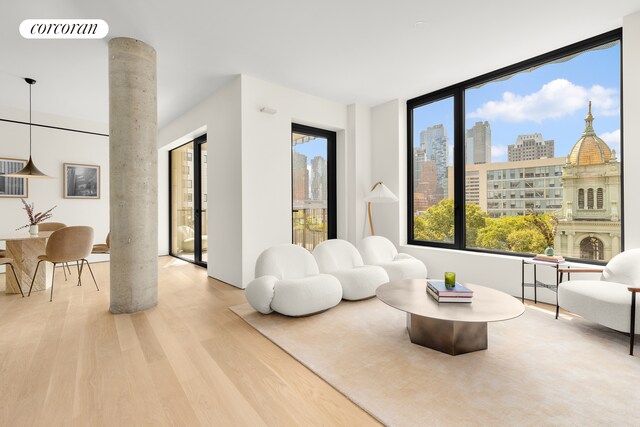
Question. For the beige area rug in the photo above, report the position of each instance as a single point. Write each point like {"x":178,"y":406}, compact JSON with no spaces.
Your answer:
{"x":537,"y":370}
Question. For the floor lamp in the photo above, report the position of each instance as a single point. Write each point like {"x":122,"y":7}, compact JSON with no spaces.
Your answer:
{"x":379,"y":194}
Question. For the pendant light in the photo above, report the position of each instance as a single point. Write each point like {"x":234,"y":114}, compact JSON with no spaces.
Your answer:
{"x":29,"y":170}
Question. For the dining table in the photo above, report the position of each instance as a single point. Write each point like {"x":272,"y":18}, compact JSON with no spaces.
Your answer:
{"x":24,"y":249}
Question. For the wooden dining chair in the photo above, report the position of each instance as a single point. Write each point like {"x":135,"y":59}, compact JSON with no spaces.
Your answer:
{"x":102,"y":248}
{"x":54,"y":226}
{"x":9,"y":262}
{"x":66,"y":245}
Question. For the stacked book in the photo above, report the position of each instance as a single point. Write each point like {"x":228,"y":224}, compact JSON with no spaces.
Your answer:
{"x":442,"y":293}
{"x":555,"y":259}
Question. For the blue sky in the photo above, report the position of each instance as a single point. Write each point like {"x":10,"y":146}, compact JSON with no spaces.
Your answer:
{"x":313,"y":148}
{"x":551,"y":100}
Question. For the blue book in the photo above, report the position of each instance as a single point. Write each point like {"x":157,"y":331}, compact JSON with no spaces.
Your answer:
{"x":440,"y":289}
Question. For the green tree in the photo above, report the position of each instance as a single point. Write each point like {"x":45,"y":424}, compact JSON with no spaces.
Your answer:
{"x":437,"y":223}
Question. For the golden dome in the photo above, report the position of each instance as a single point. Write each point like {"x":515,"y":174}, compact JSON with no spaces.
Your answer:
{"x":590,"y":149}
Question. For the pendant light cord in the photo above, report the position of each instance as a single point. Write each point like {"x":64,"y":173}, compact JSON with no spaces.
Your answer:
{"x":30,"y":120}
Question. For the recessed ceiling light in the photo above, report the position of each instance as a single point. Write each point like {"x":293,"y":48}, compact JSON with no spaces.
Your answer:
{"x":420,"y":24}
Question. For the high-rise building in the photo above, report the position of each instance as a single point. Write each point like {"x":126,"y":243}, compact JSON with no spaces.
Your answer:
{"x":514,"y":188}
{"x":300,"y":179}
{"x":319,"y":178}
{"x":530,"y":147}
{"x":435,"y":143}
{"x":426,"y":190}
{"x":478,"y":144}
{"x":589,"y":222}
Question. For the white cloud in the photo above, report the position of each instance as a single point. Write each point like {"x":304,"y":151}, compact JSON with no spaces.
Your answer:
{"x":612,"y":139}
{"x":499,"y":153}
{"x":554,"y":100}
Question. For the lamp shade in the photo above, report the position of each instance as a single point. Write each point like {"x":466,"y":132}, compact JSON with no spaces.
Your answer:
{"x":380,"y":194}
{"x":28,"y":171}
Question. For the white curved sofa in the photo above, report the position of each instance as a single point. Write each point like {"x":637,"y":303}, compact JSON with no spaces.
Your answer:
{"x":378,"y":250}
{"x":606,"y":301}
{"x":288,"y":281}
{"x":342,"y":260}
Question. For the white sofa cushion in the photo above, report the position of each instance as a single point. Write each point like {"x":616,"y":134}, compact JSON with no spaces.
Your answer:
{"x":606,"y":303}
{"x":259,"y":293}
{"x":288,"y":281}
{"x":624,"y":268}
{"x":306,"y":295}
{"x":360,"y":282}
{"x":378,"y":250}
{"x":286,"y":261}
{"x":342,"y":260}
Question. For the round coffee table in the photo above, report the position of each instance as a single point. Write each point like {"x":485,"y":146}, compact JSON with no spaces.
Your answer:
{"x":452,"y":328}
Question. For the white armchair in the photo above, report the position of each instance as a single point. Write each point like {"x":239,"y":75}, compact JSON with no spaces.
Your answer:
{"x":342,"y":260}
{"x":378,"y":250}
{"x":288,"y":281}
{"x":609,"y":301}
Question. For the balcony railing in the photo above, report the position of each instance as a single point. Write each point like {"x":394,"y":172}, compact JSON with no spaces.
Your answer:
{"x":310,"y":227}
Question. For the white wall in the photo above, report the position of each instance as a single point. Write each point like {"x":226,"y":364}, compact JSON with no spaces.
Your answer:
{"x":498,"y":271}
{"x":266,"y":161}
{"x":249,"y":179}
{"x":51,"y":149}
{"x":219,"y":117}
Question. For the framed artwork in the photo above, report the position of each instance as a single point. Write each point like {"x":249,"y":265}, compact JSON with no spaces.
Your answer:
{"x":13,"y":187}
{"x":81,"y":181}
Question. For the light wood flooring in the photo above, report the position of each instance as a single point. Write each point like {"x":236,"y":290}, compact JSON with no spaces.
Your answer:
{"x":189,"y":361}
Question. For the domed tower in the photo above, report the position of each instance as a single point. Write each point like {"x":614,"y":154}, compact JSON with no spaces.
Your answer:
{"x":589,"y":221}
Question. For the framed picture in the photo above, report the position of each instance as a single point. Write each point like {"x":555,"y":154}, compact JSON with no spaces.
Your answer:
{"x":13,"y":187}
{"x":81,"y":181}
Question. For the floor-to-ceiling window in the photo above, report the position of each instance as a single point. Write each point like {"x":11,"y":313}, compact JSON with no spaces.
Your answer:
{"x":188,"y":201}
{"x":524,"y":158}
{"x":313,"y":166}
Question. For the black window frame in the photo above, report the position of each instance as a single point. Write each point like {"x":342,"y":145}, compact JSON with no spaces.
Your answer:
{"x":457,"y":91}
{"x":197,"y":201}
{"x":332,"y":195}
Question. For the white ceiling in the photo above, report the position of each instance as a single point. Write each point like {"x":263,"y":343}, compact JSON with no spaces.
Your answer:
{"x":364,"y":51}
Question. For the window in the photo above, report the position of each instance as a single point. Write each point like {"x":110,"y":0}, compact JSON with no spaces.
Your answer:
{"x":313,"y":176}
{"x":187,"y":201}
{"x":581,"y":198}
{"x":539,"y":134}
{"x":600,"y":198}
{"x":590,"y":198}
{"x":591,"y":248}
{"x":432,"y":164}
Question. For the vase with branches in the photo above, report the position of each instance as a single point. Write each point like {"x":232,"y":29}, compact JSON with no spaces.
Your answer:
{"x":34,"y":218}
{"x":547,"y":226}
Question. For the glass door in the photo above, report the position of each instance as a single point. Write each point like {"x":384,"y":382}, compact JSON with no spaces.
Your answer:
{"x":313,"y":166}
{"x":187,"y":200}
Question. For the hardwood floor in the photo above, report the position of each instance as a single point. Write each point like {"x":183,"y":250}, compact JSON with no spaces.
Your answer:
{"x":189,"y":361}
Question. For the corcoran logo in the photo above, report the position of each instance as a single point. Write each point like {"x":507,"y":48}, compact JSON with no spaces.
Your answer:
{"x":64,"y":29}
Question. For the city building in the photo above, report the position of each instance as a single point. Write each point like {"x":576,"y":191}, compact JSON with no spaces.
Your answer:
{"x":478,"y":144}
{"x":531,"y":147}
{"x":426,"y":190}
{"x":589,"y":221}
{"x":318,"y":178}
{"x":300,"y":178}
{"x":435,"y":143}
{"x":514,"y":188}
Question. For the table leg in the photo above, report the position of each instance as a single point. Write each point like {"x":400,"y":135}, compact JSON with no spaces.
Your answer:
{"x":523,"y":281}
{"x":447,"y":336}
{"x":535,"y":284}
{"x":25,"y":257}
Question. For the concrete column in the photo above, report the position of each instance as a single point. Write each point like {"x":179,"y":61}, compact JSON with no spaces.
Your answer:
{"x":133,"y":167}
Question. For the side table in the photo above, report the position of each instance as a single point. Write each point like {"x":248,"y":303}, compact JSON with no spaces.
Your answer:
{"x":552,"y":286}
